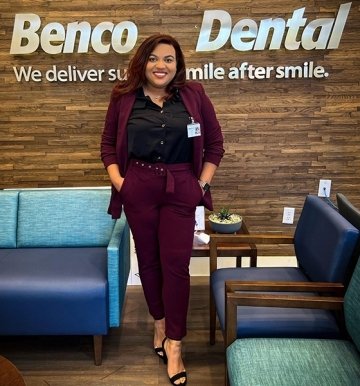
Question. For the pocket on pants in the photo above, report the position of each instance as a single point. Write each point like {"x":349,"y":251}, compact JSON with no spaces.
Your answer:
{"x":126,"y":185}
{"x":189,"y":190}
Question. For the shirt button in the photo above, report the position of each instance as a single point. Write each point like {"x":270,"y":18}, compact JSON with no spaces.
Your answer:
{"x":163,"y":125}
{"x":161,"y":142}
{"x":162,"y":111}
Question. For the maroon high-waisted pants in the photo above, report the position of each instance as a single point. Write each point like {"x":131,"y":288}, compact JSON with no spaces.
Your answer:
{"x":159,"y":203}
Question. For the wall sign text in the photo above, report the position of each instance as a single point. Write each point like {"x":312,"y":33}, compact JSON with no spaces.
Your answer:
{"x":245,"y":35}
{"x":217,"y":28}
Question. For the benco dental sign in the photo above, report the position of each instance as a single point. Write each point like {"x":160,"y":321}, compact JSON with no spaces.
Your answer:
{"x":244,"y":35}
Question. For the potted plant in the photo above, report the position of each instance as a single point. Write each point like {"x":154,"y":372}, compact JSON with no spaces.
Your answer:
{"x":225,"y":222}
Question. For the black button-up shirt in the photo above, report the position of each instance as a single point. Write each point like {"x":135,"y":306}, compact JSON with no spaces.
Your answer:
{"x":159,"y":134}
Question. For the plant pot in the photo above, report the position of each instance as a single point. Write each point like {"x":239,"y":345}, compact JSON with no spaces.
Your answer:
{"x":227,"y":226}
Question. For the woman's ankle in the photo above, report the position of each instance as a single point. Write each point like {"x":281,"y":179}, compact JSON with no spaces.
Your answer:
{"x":174,"y":343}
{"x":159,"y":332}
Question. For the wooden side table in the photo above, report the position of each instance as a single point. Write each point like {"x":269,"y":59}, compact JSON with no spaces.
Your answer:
{"x":9,"y":374}
{"x":224,"y":250}
{"x":227,"y":250}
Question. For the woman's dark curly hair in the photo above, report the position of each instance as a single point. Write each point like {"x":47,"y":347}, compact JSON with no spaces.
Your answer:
{"x":136,"y":72}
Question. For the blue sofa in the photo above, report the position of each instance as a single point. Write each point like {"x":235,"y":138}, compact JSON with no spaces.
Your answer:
{"x":64,"y":263}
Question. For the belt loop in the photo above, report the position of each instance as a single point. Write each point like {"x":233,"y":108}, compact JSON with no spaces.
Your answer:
{"x":170,"y":182}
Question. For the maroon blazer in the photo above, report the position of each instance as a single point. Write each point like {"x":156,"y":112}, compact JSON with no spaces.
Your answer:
{"x":206,"y":148}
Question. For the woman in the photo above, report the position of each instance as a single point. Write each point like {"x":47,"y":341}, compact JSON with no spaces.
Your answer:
{"x":161,"y":145}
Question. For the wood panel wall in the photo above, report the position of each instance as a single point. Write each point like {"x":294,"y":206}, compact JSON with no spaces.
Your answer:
{"x":281,"y":135}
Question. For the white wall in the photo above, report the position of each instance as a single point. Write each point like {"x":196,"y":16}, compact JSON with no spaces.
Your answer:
{"x":199,"y":266}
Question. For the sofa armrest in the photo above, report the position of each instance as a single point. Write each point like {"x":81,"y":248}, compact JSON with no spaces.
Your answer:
{"x":118,"y":259}
{"x":244,"y":298}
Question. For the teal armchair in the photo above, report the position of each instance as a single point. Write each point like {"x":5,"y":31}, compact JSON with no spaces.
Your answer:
{"x":294,"y":361}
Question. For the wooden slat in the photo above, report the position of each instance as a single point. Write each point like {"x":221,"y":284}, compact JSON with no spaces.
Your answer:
{"x":282,"y":286}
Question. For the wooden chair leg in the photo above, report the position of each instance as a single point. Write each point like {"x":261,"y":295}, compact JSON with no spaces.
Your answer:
{"x":212,"y":318}
{"x":239,"y":261}
{"x":226,"y":380}
{"x":253,"y":256}
{"x":97,"y":349}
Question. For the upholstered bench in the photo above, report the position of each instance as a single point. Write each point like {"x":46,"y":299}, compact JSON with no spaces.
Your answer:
{"x":64,"y":263}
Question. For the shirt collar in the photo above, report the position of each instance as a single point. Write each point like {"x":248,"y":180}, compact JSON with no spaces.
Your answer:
{"x":141,"y":96}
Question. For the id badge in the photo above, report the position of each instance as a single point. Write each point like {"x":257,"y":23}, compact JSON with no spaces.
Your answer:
{"x":193,"y":129}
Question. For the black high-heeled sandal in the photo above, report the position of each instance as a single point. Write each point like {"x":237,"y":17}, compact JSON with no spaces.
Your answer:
{"x":159,"y":352}
{"x":178,"y":376}
{"x":174,"y":378}
{"x":164,"y":357}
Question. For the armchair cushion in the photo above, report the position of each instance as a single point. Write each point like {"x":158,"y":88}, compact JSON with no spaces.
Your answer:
{"x":291,"y":362}
{"x":322,"y":235}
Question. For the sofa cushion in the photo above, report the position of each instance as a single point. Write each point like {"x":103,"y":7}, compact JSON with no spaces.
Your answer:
{"x":49,"y":291}
{"x":290,"y":362}
{"x":8,"y":218}
{"x":64,"y":218}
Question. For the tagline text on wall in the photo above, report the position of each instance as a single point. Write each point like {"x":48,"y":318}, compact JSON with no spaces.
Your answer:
{"x":208,"y":71}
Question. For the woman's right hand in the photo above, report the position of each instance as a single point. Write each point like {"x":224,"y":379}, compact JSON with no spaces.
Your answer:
{"x":115,"y":177}
{"x":118,"y":183}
